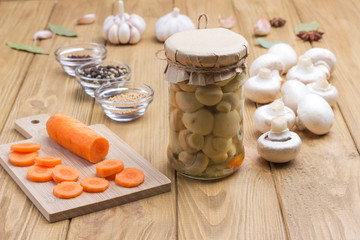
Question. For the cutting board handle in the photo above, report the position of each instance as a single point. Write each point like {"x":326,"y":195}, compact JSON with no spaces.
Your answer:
{"x":32,"y":126}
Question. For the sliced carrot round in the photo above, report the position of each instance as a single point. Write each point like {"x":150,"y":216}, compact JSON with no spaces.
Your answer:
{"x":111,"y":177}
{"x":39,"y":174}
{"x":48,"y":161}
{"x":109,"y":167}
{"x":94,"y":184}
{"x":22,"y":159}
{"x":25,"y":147}
{"x":130,"y":177}
{"x":63,"y":173}
{"x":67,"y":190}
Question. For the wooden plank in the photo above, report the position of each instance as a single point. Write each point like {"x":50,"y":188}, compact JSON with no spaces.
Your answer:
{"x":244,"y":205}
{"x":319,"y":190}
{"x":155,"y":217}
{"x":47,"y":89}
{"x":55,"y":209}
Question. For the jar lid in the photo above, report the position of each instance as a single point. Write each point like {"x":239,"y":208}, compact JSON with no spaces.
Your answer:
{"x":214,"y":47}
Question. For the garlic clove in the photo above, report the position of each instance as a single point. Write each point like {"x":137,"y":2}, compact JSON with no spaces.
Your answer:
{"x":113,"y":35}
{"x":262,"y":26}
{"x":135,"y":35}
{"x":109,"y":21}
{"x":138,"y":22}
{"x":226,"y":22}
{"x":124,"y":33}
{"x":86,"y":19}
{"x":44,"y":34}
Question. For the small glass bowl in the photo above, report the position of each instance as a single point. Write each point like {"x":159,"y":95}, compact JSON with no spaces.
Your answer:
{"x":90,"y":84}
{"x":123,"y":109}
{"x":97,"y":52}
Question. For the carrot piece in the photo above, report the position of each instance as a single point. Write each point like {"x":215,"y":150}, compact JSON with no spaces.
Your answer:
{"x":39,"y":173}
{"x":130,"y":177}
{"x":111,"y":177}
{"x":236,"y":162}
{"x":109,"y":167}
{"x":77,"y":137}
{"x":48,"y":161}
{"x":94,"y":184}
{"x":67,"y":190}
{"x":22,"y":159}
{"x":63,"y":173}
{"x":25,"y":147}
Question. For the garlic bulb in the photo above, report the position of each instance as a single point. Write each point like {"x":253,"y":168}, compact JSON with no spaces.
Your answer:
{"x":123,"y":28}
{"x":172,"y":23}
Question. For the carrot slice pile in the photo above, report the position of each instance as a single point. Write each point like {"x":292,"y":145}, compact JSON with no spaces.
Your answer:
{"x":39,"y":174}
{"x":130,"y":177}
{"x":22,"y":159}
{"x":94,"y":184}
{"x":109,"y":167}
{"x":48,"y":161}
{"x":63,"y":173}
{"x":67,"y":190}
{"x":25,"y":147}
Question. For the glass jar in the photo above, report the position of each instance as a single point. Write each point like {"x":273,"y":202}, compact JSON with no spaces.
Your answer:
{"x":206,"y":102}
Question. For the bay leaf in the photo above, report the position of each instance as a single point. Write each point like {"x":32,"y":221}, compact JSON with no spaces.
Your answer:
{"x":63,"y":31}
{"x":27,"y":48}
{"x":307,"y":27}
{"x":265,"y":43}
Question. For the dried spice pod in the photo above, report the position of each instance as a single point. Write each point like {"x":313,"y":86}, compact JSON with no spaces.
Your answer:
{"x":277,"y":22}
{"x":310,"y":35}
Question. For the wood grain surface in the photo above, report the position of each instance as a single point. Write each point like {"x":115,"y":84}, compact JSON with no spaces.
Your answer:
{"x":314,"y":197}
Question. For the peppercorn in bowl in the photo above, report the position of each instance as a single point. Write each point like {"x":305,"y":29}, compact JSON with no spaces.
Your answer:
{"x":93,"y":75}
{"x":124,"y":102}
{"x":73,"y":55}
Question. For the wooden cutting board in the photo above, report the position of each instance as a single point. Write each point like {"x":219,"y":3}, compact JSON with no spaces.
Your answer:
{"x":56,"y":209}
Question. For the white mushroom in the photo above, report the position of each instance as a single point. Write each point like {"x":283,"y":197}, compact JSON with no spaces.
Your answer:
{"x":325,"y":90}
{"x":279,"y":145}
{"x":175,"y":120}
{"x":209,"y":95}
{"x":174,"y":143}
{"x":226,"y":124}
{"x":322,"y":58}
{"x":314,"y":114}
{"x":235,"y":84}
{"x":262,"y":88}
{"x":292,"y":91}
{"x":264,"y":114}
{"x":286,"y":54}
{"x":305,"y":71}
{"x":270,"y":61}
{"x":193,"y":164}
{"x":187,"y":87}
{"x":200,"y":122}
{"x":229,"y":101}
{"x":215,"y":146}
{"x":187,"y":101}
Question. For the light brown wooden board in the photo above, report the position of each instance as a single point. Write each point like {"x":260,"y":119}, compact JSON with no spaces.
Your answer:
{"x":56,"y":209}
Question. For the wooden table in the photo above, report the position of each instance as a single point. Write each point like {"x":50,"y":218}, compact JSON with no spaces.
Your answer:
{"x":317,"y":196}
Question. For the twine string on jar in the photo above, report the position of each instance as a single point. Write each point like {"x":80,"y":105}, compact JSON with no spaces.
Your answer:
{"x":199,"y":20}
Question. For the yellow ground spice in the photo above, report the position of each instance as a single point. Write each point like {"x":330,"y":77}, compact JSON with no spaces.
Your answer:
{"x":128,"y":96}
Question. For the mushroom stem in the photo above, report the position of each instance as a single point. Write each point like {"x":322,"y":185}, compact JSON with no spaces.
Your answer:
{"x":305,"y":62}
{"x":265,"y":73}
{"x":279,"y":130}
{"x":321,"y":85}
{"x":277,"y":106}
{"x":176,"y":12}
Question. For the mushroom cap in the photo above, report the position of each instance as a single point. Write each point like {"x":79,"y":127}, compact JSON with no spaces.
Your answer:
{"x":286,"y":54}
{"x":264,"y":114}
{"x":321,"y":56}
{"x":315,"y":114}
{"x":279,"y":151}
{"x":262,"y":88}
{"x":267,"y":60}
{"x":305,"y":71}
{"x":324,"y":90}
{"x":292,"y":91}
